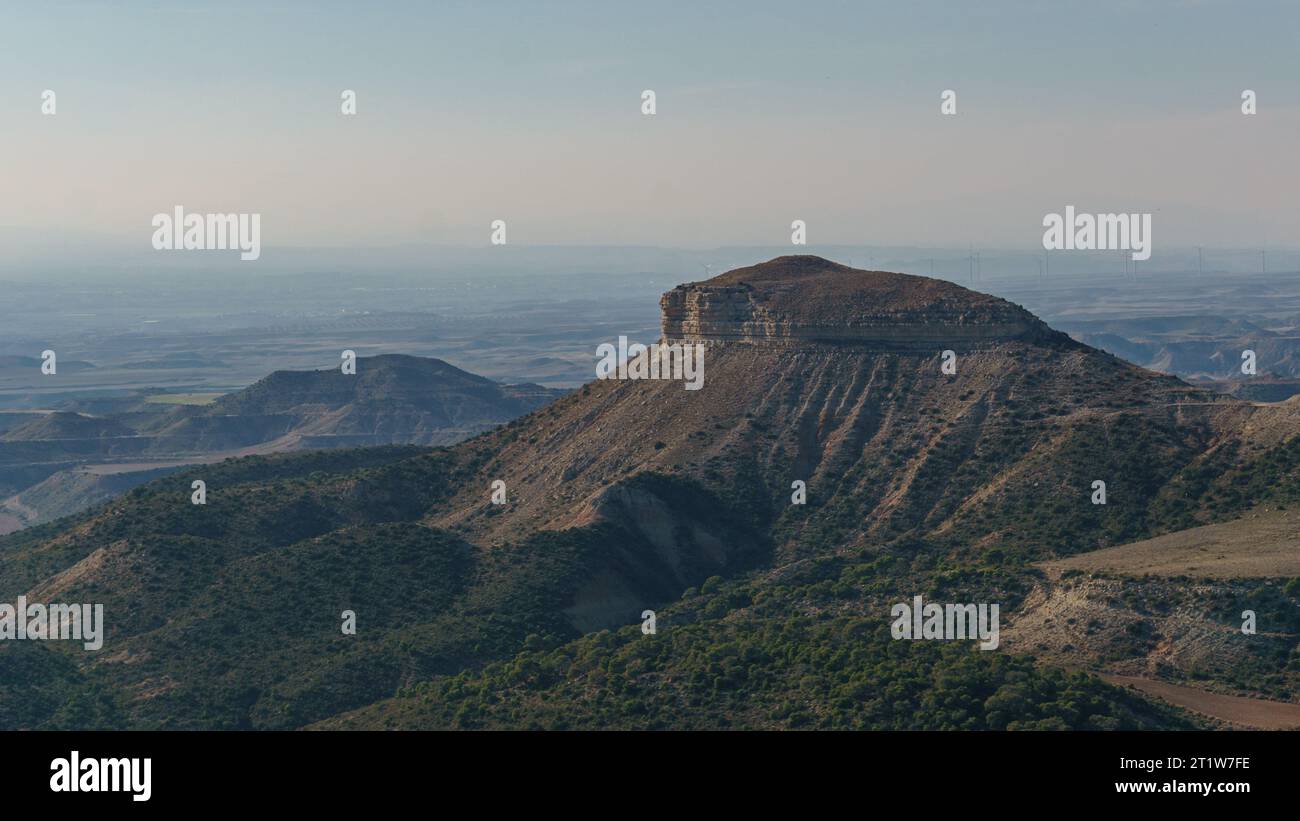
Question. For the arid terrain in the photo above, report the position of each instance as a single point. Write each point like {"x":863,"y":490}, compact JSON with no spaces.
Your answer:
{"x":946,"y":443}
{"x":60,"y":462}
{"x":1262,"y":545}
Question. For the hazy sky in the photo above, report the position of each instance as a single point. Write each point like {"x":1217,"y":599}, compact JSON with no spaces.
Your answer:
{"x":767,"y":112}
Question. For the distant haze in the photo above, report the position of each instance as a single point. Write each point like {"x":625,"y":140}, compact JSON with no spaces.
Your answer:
{"x":530,"y":113}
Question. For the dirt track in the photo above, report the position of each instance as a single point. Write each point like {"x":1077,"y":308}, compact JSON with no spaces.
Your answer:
{"x":1246,"y":712}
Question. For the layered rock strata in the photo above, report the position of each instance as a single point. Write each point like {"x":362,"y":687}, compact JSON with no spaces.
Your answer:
{"x":807,"y":299}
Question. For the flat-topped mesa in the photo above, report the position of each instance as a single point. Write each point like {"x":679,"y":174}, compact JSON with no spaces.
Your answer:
{"x":801,"y":299}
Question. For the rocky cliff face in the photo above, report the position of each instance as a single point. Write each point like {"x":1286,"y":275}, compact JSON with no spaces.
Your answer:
{"x":807,"y":299}
{"x":825,"y":374}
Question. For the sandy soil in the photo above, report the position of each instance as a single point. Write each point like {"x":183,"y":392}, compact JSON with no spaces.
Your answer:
{"x":1247,"y":712}
{"x":1261,"y":545}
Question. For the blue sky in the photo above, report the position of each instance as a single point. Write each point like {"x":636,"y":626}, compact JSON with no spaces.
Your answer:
{"x":767,"y":112}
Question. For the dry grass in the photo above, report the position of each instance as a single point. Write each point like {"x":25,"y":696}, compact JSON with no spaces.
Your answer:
{"x":1259,"y":545}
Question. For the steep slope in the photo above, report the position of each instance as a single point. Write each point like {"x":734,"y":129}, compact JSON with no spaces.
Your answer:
{"x":70,"y":491}
{"x":228,"y":614}
{"x":634,"y":495}
{"x":820,"y":387}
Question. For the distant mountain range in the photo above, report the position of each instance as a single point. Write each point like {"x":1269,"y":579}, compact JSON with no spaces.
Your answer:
{"x":57,"y":463}
{"x":1203,"y":348}
{"x":948,"y":442}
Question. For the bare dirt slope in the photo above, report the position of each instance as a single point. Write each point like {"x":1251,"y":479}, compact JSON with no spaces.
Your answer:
{"x":1259,"y":545}
{"x":833,"y":377}
{"x":1166,"y":615}
{"x":1245,"y":712}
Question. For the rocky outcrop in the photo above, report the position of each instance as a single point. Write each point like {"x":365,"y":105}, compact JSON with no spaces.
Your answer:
{"x":807,"y":299}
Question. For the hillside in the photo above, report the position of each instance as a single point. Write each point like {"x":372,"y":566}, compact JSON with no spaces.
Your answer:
{"x":1002,"y":453}
{"x":390,"y":400}
{"x":70,"y":491}
{"x":62,"y":426}
{"x":628,"y":495}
